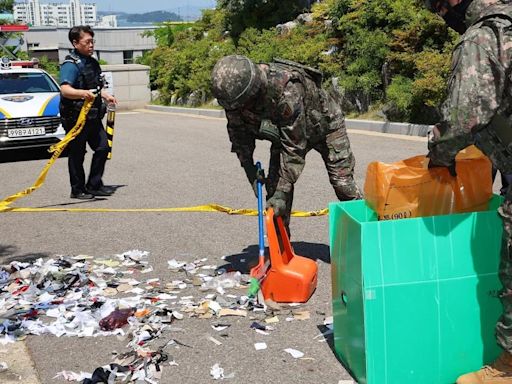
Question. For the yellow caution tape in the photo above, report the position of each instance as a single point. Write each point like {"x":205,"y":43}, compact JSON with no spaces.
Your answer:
{"x":57,"y":151}
{"x":198,"y":208}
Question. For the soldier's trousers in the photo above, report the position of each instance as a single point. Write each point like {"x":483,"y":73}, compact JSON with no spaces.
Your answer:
{"x":339,"y":162}
{"x":504,"y":325}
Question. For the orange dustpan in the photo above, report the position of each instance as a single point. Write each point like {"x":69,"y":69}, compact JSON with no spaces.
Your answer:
{"x":290,"y":278}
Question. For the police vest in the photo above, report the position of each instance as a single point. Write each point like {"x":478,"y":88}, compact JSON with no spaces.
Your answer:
{"x":89,"y":78}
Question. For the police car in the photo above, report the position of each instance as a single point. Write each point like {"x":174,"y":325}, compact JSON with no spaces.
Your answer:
{"x":29,"y":106}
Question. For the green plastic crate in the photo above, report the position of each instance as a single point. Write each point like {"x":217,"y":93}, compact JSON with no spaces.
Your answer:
{"x":414,"y":300}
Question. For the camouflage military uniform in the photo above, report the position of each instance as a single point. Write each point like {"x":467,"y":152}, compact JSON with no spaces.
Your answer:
{"x":479,"y":109}
{"x":296,"y":115}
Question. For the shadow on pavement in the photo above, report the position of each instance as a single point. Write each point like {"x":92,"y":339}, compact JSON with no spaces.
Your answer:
{"x":330,"y":342}
{"x":26,"y":154}
{"x":73,"y":202}
{"x":7,"y":255}
{"x":248,"y":258}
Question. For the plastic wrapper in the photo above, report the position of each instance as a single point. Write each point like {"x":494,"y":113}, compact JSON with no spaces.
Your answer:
{"x":408,"y":188}
{"x":116,"y":319}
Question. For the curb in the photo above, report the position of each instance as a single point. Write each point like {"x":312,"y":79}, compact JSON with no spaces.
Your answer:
{"x":20,"y":365}
{"x":364,"y":125}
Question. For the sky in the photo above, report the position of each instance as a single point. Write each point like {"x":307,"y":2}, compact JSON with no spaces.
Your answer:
{"x":138,"y":6}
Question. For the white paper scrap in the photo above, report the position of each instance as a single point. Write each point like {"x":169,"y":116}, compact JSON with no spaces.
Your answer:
{"x":73,"y":376}
{"x":217,"y":372}
{"x":260,"y":346}
{"x":295,"y":353}
{"x":328,"y":320}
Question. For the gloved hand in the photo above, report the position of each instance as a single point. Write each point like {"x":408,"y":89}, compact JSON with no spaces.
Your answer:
{"x":432,"y":163}
{"x":278,"y":203}
{"x":254,"y":175}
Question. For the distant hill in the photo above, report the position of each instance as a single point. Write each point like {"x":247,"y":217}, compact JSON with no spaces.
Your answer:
{"x":117,"y":13}
{"x":153,"y":17}
{"x":176,"y":14}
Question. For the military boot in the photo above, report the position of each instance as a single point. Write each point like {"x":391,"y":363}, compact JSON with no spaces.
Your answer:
{"x":499,"y":372}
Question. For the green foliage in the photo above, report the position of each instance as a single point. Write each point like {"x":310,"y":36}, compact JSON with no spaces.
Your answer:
{"x":386,"y":52}
{"x":52,"y":67}
{"x":6,"y":6}
{"x":164,"y":35}
{"x":259,"y":14}
{"x":186,"y":64}
{"x":395,"y":43}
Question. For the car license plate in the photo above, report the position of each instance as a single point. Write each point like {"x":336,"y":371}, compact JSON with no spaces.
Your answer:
{"x":22,"y":132}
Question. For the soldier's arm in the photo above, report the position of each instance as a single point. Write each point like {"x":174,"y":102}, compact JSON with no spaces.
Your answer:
{"x":292,"y":130}
{"x":242,"y":141}
{"x":475,"y":90}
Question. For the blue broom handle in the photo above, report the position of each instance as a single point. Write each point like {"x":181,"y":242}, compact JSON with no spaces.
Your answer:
{"x":260,"y":214}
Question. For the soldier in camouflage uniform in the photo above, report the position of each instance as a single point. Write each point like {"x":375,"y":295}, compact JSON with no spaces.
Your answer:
{"x":283,"y":102}
{"x":478,"y":110}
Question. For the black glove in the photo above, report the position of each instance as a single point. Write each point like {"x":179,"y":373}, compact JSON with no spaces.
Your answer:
{"x":451,"y":167}
{"x":254,"y":175}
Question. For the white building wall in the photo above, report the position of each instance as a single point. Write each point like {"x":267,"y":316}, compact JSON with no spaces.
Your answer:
{"x":108,"y":21}
{"x":64,"y":16}
{"x":110,"y":45}
{"x":56,"y":14}
{"x":20,"y":12}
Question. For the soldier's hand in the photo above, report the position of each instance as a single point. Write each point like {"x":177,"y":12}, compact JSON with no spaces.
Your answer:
{"x":278,"y":203}
{"x":432,"y":163}
{"x":254,"y":175}
{"x":260,"y":178}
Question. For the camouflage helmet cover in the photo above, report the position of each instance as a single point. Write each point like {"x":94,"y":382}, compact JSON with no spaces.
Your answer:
{"x":235,"y":80}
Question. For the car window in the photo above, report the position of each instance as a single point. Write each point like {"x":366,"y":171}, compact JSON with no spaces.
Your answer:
{"x":26,"y":83}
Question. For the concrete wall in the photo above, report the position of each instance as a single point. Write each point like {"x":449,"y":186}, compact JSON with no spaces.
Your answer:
{"x":131,"y":84}
{"x":110,"y":42}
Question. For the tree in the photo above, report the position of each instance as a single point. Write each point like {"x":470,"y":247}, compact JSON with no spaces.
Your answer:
{"x":259,"y":14}
{"x":6,"y":6}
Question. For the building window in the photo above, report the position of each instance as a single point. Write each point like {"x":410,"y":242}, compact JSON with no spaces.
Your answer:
{"x":127,"y":57}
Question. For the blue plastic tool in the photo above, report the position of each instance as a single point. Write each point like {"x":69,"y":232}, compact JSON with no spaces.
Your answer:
{"x":259,"y":271}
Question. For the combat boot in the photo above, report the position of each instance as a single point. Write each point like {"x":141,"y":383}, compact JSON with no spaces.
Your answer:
{"x":499,"y":372}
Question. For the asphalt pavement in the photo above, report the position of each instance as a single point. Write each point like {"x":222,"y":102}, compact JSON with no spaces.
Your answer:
{"x":177,"y":160}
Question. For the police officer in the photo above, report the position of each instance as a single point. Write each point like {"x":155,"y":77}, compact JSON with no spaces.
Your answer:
{"x":283,"y":102}
{"x":81,"y":79}
{"x":479,"y":109}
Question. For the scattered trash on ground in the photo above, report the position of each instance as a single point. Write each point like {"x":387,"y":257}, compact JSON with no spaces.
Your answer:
{"x":84,"y":296}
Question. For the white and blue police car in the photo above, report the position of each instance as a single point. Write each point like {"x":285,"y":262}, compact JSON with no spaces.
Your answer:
{"x":29,"y":107}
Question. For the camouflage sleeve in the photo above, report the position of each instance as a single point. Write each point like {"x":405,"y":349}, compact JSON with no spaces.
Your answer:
{"x":475,"y":89}
{"x":292,"y":130}
{"x":242,"y":141}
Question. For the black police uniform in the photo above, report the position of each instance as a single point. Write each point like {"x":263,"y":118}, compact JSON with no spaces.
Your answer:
{"x":90,"y":78}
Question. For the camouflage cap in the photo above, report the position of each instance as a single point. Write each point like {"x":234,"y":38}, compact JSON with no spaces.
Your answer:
{"x":235,"y":80}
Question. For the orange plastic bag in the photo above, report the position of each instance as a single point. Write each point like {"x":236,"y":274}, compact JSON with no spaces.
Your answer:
{"x":408,"y":188}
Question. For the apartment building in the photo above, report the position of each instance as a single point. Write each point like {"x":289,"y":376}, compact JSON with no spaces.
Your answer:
{"x":34,"y":13}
